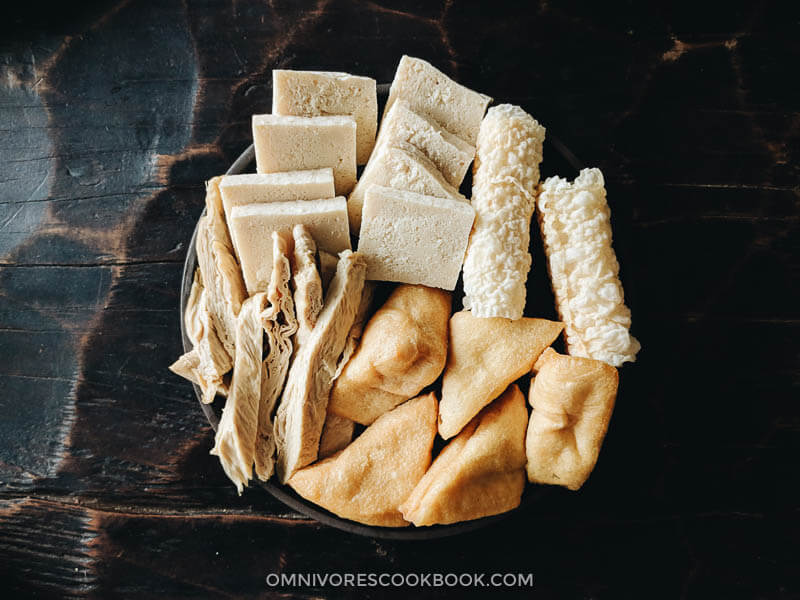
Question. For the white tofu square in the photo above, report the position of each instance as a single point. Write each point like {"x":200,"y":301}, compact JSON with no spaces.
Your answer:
{"x":411,"y":238}
{"x":255,"y":188}
{"x":451,"y":155}
{"x":431,"y":93}
{"x":321,"y":93}
{"x":302,"y":143}
{"x":252,"y":226}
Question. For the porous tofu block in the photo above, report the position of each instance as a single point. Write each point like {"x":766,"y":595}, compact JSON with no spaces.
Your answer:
{"x":253,"y":224}
{"x":300,"y":143}
{"x":412,"y":238}
{"x":254,"y":188}
{"x":402,"y":167}
{"x":451,"y":155}
{"x":433,"y":94}
{"x":320,"y":93}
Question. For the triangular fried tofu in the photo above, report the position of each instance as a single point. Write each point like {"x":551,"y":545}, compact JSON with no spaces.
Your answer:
{"x":337,"y":433}
{"x":368,"y":480}
{"x":480,"y":473}
{"x":403,"y":349}
{"x":572,"y":400}
{"x":484,"y":356}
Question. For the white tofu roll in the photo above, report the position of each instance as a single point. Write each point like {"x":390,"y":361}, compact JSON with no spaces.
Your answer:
{"x":506,"y":176}
{"x":576,"y":229}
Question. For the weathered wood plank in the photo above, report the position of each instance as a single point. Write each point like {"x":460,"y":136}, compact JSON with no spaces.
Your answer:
{"x":113,"y":113}
{"x":167,"y":551}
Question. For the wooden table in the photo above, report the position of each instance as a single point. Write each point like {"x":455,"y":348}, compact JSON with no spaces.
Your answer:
{"x":112,"y":115}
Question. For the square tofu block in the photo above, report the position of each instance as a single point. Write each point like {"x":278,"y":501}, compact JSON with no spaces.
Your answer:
{"x":412,"y":238}
{"x":322,"y":93}
{"x":431,"y":93}
{"x":254,"y":188}
{"x":301,"y":143}
{"x":252,"y":226}
{"x":400,"y":166}
{"x":451,"y":155}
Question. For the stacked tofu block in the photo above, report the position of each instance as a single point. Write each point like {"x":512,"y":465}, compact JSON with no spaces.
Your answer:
{"x":322,"y":125}
{"x":418,"y":233}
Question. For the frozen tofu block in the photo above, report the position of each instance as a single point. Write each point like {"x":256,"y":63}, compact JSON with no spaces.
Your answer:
{"x":253,"y":188}
{"x":430,"y":92}
{"x":301,"y":143}
{"x":322,"y":93}
{"x":451,"y":155}
{"x":252,"y":226}
{"x":412,"y":238}
{"x":399,"y":166}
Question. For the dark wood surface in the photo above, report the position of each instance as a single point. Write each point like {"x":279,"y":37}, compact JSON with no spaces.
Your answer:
{"x":113,"y":113}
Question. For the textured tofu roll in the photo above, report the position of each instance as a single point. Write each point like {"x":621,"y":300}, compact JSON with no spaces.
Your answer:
{"x":504,"y":190}
{"x":576,"y":229}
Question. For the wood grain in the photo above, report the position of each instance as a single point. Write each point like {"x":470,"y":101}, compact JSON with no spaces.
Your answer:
{"x":113,"y":113}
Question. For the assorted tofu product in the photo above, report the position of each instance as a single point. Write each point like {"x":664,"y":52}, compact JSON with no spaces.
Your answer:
{"x":319,"y":93}
{"x":400,"y":166}
{"x":411,"y":238}
{"x":403,"y":350}
{"x":300,"y":143}
{"x":431,"y":93}
{"x":503,"y":195}
{"x":341,"y":396}
{"x":576,"y":231}
{"x":253,"y":224}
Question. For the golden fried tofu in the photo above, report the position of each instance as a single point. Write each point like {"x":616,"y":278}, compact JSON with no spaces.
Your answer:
{"x":403,"y":349}
{"x":572,"y":400}
{"x":480,"y":473}
{"x":368,"y":480}
{"x":484,"y":356}
{"x":337,"y":433}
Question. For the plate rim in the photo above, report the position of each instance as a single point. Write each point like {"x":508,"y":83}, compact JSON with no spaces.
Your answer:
{"x":285,"y":494}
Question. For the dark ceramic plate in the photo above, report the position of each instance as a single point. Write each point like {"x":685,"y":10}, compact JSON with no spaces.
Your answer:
{"x":557,"y":155}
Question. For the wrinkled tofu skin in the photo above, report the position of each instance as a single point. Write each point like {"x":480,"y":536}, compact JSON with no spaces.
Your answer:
{"x":403,"y":349}
{"x":306,"y":283}
{"x":479,"y":473}
{"x":192,"y":321}
{"x":235,"y":440}
{"x":219,"y":270}
{"x":575,"y":222}
{"x":188,"y":367}
{"x":280,"y":324}
{"x":207,"y":362}
{"x":572,"y":400}
{"x":302,"y":410}
{"x":368,"y":480}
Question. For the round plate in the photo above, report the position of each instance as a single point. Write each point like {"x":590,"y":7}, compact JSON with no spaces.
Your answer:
{"x":567,"y":162}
